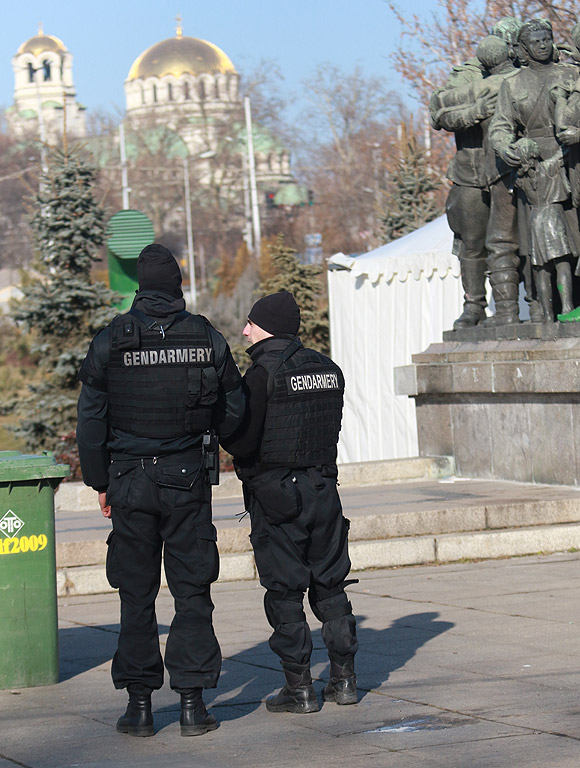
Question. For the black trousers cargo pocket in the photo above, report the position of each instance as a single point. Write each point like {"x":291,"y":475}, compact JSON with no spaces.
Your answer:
{"x":185,"y":481}
{"x":120,"y":478}
{"x":277,"y":494}
{"x":209,"y":563}
{"x":112,"y":569}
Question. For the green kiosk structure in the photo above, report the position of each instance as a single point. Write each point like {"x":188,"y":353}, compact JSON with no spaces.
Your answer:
{"x":128,"y":233}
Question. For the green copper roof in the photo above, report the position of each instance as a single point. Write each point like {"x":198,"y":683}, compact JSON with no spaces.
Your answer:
{"x":154,"y":140}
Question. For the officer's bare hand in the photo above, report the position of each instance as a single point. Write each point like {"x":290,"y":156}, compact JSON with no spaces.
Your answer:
{"x":105,"y":508}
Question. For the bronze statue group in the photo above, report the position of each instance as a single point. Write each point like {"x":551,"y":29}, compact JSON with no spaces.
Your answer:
{"x":513,"y":206}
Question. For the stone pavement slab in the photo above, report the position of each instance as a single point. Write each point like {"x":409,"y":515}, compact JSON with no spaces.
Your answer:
{"x":465,"y":664}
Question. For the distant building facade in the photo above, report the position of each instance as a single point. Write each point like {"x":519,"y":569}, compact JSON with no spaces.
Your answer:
{"x":44,"y":91}
{"x":191,"y":86}
{"x":183,"y":102}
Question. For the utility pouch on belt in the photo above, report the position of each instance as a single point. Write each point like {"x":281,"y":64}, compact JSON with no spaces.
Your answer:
{"x":277,"y":494}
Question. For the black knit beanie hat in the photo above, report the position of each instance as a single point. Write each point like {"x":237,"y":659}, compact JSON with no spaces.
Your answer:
{"x":157,"y":270}
{"x":277,"y":314}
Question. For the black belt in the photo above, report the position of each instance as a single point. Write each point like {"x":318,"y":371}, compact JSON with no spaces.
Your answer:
{"x":171,"y":458}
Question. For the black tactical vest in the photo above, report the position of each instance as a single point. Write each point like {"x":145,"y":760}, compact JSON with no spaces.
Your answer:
{"x":304,"y":409}
{"x":161,"y":385}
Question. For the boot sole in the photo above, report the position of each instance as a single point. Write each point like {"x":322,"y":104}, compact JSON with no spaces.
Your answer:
{"x":302,"y":708}
{"x":147,"y":730}
{"x":342,"y":699}
{"x":198,"y":730}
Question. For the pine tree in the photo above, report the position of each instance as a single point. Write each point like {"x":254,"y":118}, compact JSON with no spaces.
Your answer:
{"x":303,"y":281}
{"x":412,"y":203}
{"x":62,"y":307}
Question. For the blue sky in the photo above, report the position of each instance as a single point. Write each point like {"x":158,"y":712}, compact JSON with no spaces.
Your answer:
{"x":106,"y":36}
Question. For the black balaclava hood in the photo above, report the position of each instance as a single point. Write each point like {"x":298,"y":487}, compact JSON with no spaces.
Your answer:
{"x":157,"y":270}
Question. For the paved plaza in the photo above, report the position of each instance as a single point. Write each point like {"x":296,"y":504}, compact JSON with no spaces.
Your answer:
{"x":470,"y":664}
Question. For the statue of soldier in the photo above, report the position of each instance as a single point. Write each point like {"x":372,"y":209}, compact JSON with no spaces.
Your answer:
{"x":502,"y":241}
{"x":467,"y":204}
{"x":496,"y":54}
{"x":481,"y":188}
{"x":523,"y":133}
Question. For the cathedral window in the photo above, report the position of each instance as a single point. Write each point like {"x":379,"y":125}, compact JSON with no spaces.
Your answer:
{"x":155,"y":93}
{"x":202,"y":91}
{"x":31,"y":72}
{"x":46,"y":69}
{"x":186,"y":92}
{"x":169,"y":92}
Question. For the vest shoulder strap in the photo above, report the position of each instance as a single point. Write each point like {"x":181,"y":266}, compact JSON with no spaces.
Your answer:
{"x":150,"y":322}
{"x":285,"y":355}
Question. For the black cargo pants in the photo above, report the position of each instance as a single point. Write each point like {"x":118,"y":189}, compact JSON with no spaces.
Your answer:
{"x":163,"y":505}
{"x":308,"y":551}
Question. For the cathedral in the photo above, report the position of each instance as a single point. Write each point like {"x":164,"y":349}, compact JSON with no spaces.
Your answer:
{"x":191,"y":86}
{"x":188,"y":85}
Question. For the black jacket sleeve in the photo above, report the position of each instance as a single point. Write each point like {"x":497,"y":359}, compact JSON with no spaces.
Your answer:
{"x":245,"y":442}
{"x":231,"y":404}
{"x":92,"y":425}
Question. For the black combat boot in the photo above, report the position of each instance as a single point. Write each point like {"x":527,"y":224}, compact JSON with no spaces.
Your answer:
{"x":195,"y":719}
{"x":341,"y":687}
{"x":138,"y":719}
{"x":298,"y":694}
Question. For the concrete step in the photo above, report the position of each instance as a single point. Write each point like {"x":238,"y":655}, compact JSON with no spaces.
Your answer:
{"x":415,"y":529}
{"x":377,"y":553}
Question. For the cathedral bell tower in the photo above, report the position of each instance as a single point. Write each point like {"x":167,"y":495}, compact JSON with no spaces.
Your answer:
{"x":44,"y":92}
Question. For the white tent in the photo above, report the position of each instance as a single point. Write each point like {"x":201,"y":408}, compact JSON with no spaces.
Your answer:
{"x":385,"y":306}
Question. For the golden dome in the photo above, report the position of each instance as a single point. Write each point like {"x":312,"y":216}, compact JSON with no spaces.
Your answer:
{"x":178,"y":56}
{"x":41,"y":43}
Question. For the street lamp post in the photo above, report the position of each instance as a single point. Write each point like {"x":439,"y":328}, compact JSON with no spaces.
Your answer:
{"x":252,"y":171}
{"x":124,"y":180}
{"x":189,"y":229}
{"x":41,"y":126}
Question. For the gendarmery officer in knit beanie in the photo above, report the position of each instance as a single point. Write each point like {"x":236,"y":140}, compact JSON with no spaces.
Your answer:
{"x":155,"y":381}
{"x":285,"y":454}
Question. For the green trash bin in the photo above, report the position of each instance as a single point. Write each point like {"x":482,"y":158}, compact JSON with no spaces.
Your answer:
{"x":29,"y":623}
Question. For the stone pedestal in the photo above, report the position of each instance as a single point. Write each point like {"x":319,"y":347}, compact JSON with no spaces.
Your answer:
{"x":505,"y":409}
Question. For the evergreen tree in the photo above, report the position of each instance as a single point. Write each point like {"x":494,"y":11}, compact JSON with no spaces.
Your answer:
{"x":303,"y":281}
{"x":412,"y":203}
{"x":62,"y":307}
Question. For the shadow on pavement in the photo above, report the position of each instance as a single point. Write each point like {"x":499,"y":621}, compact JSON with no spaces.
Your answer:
{"x":387,"y":650}
{"x":251,"y":675}
{"x":83,"y":648}
{"x":254,"y":673}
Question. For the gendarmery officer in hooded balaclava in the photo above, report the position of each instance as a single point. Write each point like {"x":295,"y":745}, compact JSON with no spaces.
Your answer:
{"x":155,"y":382}
{"x":285,"y":454}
